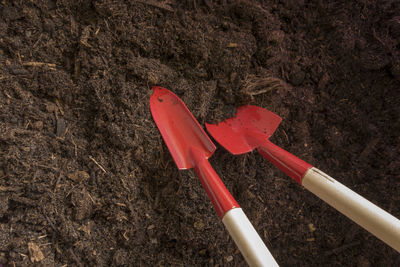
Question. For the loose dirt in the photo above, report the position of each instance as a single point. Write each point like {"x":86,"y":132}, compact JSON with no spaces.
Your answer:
{"x":86,"y":180}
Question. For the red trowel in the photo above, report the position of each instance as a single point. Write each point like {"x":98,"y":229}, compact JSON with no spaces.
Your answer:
{"x":190,"y":147}
{"x":251,"y":128}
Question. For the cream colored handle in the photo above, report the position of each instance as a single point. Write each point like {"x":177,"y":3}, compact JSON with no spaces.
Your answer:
{"x":246,"y":238}
{"x":374,"y":219}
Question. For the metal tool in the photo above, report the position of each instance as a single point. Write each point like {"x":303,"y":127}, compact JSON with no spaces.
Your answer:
{"x":190,"y":147}
{"x":251,"y":128}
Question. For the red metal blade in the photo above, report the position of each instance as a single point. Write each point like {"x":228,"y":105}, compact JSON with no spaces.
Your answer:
{"x":237,"y":134}
{"x":251,"y":128}
{"x":179,"y":129}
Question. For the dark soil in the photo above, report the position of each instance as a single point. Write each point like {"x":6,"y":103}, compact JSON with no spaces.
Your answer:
{"x":86,"y":179}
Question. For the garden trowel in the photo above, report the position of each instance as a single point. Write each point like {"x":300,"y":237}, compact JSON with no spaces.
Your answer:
{"x":190,"y":147}
{"x":251,"y":128}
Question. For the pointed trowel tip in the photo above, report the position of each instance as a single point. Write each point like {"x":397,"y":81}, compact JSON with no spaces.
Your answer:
{"x":155,"y":88}
{"x":158,"y":91}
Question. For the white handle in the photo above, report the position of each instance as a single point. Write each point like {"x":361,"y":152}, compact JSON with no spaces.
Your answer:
{"x":246,"y":238}
{"x":374,"y":219}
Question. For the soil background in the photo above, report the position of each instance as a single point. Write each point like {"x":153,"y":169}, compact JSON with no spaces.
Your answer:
{"x":86,"y":179}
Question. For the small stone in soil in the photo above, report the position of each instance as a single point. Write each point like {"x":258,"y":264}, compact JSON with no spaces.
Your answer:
{"x":203,"y":252}
{"x":199,"y":225}
{"x":78,"y":176}
{"x":229,"y":259}
{"x":311,"y":227}
{"x":35,"y":254}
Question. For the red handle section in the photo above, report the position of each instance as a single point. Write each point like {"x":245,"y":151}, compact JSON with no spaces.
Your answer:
{"x":287,"y":162}
{"x":222,"y":200}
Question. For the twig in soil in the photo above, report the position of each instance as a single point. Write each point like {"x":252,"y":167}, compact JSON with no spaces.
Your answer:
{"x":98,"y":164}
{"x":51,"y":223}
{"x":59,"y":107}
{"x":282,"y":180}
{"x":38,"y":40}
{"x":125,"y":236}
{"x":46,"y":167}
{"x":7,"y":95}
{"x":85,"y":37}
{"x":19,"y":57}
{"x":23,"y":255}
{"x":124,"y":185}
{"x":9,"y":188}
{"x":284,"y":133}
{"x":56,"y":183}
{"x":255,"y":85}
{"x":91,"y":198}
{"x":78,"y":262}
{"x":75,"y":147}
{"x":39,"y":64}
{"x":160,"y":5}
